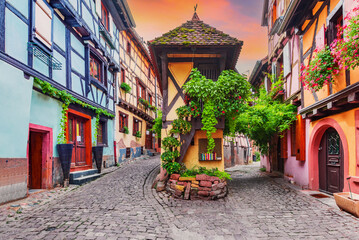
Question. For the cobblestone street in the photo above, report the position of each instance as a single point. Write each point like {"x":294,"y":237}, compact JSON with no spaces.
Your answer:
{"x":121,"y":205}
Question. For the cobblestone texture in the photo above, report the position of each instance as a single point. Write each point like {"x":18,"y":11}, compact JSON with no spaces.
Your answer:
{"x":121,"y":205}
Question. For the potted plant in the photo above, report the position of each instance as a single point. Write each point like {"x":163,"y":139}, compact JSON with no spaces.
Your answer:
{"x":97,"y":151}
{"x":144,"y":103}
{"x":64,"y":149}
{"x":138,"y":134}
{"x":126,"y":130}
{"x":125,"y":87}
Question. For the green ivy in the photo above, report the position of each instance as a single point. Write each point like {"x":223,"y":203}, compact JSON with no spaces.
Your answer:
{"x":180,"y":126}
{"x":209,"y":122}
{"x":169,"y":143}
{"x":67,"y":99}
{"x":157,"y":126}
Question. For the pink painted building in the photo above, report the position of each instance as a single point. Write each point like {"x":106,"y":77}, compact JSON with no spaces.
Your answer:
{"x":287,"y":155}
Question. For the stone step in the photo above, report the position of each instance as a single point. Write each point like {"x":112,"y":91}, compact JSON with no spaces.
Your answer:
{"x":79,"y":174}
{"x":85,"y":179}
{"x":152,"y":153}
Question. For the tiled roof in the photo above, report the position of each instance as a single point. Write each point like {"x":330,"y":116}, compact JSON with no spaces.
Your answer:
{"x":195,"y":32}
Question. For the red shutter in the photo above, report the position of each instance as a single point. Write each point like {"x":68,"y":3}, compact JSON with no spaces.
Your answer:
{"x":300,"y":138}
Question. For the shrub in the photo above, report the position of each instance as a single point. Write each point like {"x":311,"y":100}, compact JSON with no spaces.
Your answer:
{"x":138,"y":134}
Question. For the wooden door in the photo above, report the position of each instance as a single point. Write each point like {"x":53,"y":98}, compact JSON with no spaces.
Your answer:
{"x":331,"y":167}
{"x":76,"y":133}
{"x":148,"y":138}
{"x":35,"y":160}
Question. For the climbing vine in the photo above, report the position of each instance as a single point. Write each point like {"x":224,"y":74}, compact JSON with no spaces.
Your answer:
{"x":224,"y":97}
{"x":67,"y":99}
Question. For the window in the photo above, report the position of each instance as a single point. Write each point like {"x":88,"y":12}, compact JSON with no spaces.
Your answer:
{"x":128,"y":48}
{"x":292,"y":139}
{"x":104,"y":17}
{"x":150,"y":98}
{"x":123,"y":75}
{"x":141,"y":90}
{"x":95,"y":68}
{"x":43,"y":23}
{"x":334,"y":24}
{"x":123,"y":121}
{"x":102,"y":133}
{"x":137,"y":126}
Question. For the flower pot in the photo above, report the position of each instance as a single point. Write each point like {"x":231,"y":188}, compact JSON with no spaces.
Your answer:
{"x":97,"y":153}
{"x":65,"y":156}
{"x":344,"y":202}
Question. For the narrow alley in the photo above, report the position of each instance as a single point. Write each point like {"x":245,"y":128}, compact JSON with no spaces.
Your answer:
{"x":122,"y":205}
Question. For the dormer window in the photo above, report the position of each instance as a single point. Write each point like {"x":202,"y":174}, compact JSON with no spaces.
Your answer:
{"x":105,"y":17}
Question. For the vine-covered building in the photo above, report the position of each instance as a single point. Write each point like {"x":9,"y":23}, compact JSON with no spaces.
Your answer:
{"x":136,"y":108}
{"x":194,"y":44}
{"x":74,"y":46}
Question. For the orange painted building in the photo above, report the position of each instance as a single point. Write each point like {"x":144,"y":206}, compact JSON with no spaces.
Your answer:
{"x":332,"y":113}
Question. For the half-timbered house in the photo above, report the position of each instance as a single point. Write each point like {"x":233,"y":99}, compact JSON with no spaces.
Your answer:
{"x":287,"y":153}
{"x":74,"y":45}
{"x":194,"y":44}
{"x":332,"y":113}
{"x":137,"y":108}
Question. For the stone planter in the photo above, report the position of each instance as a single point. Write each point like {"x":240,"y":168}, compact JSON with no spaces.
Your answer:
{"x":347,"y":204}
{"x":201,"y":187}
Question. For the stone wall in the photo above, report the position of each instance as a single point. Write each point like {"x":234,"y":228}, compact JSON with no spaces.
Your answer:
{"x":202,"y":187}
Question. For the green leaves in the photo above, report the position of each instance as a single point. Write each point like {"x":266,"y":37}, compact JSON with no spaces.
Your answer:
{"x":264,"y":119}
{"x":169,"y":143}
{"x":225,"y":97}
{"x":124,"y":86}
{"x":157,"y":126}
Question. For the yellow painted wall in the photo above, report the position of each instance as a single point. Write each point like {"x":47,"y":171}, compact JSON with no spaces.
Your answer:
{"x":180,"y":72}
{"x":128,"y":138}
{"x":346,"y":121}
{"x":354,"y":76}
{"x":191,"y":158}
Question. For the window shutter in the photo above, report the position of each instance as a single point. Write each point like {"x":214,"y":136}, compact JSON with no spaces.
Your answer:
{"x":111,"y":25}
{"x":98,"y":7}
{"x":274,"y":71}
{"x":300,"y":138}
{"x":43,"y":23}
{"x":286,"y":60}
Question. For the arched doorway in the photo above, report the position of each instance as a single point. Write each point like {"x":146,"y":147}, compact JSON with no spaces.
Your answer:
{"x":331,"y":162}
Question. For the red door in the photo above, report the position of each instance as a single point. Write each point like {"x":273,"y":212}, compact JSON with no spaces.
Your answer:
{"x":77,"y":136}
{"x":148,"y":138}
{"x":35,"y":160}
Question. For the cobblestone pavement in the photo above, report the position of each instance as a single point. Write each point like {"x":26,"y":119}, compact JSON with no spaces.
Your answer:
{"x":121,"y":205}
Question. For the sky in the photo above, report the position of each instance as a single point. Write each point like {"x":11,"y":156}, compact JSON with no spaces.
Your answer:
{"x":238,"y":18}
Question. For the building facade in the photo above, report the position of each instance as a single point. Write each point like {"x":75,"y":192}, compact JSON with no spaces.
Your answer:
{"x":325,"y":150}
{"x":194,"y":44}
{"x":136,"y":108}
{"x":68,"y":45}
{"x":287,"y":152}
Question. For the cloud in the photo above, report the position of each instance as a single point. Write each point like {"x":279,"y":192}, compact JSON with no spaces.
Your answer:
{"x":239,"y":18}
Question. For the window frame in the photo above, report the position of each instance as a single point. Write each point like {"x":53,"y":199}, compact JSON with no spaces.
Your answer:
{"x":333,"y":22}
{"x":123,"y":75}
{"x":93,"y":58}
{"x":103,"y":83}
{"x":105,"y":18}
{"x":128,"y":47}
{"x":41,"y":40}
{"x":122,"y":117}
{"x":143,"y":91}
{"x":150,"y":98}
{"x":104,"y":133}
{"x":136,"y":122}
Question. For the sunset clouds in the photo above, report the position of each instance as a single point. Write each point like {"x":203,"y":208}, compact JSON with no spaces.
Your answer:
{"x":238,"y":18}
